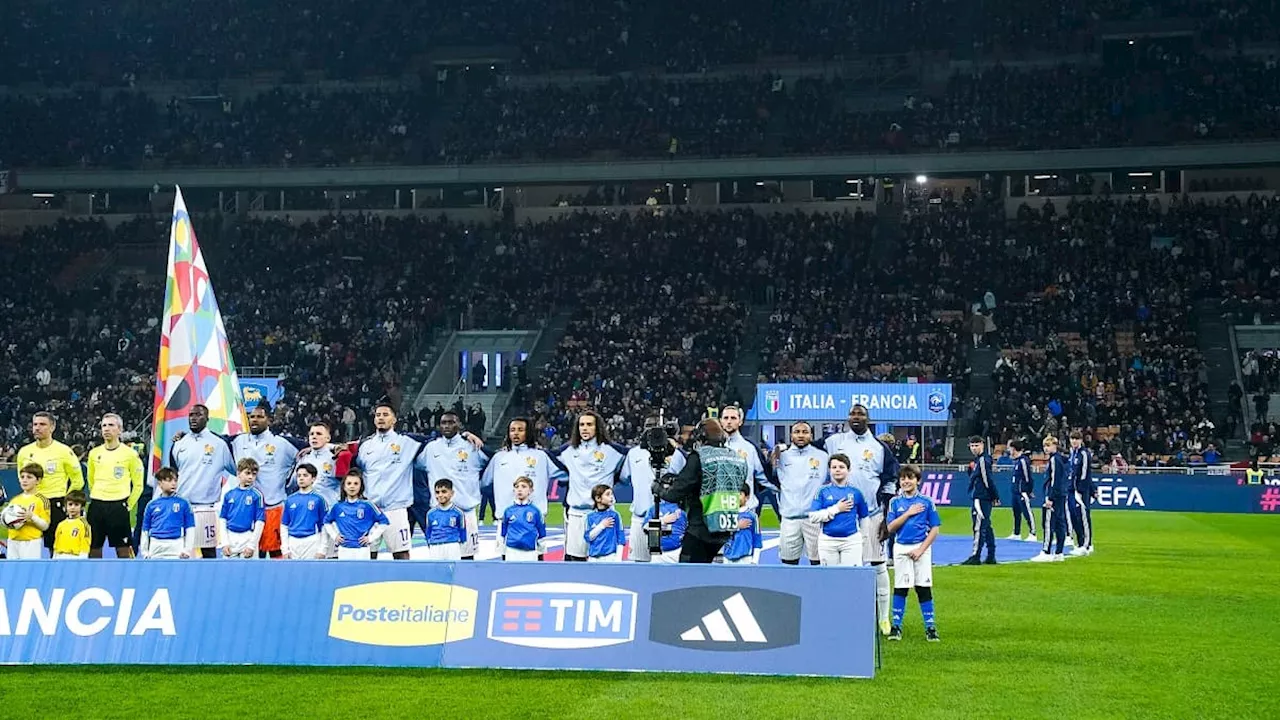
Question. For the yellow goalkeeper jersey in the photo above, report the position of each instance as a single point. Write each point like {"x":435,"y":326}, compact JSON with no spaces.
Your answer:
{"x":72,"y":537}
{"x":37,"y":505}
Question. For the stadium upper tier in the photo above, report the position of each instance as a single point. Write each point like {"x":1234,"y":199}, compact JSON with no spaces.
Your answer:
{"x":61,"y":42}
{"x":1163,"y":99}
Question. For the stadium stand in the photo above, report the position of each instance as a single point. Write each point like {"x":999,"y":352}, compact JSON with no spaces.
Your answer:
{"x":1167,"y":98}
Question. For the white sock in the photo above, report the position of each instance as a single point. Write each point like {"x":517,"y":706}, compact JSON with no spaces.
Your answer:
{"x":882,"y":591}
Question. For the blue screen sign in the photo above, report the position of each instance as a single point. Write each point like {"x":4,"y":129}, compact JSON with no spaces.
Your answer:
{"x":916,"y":403}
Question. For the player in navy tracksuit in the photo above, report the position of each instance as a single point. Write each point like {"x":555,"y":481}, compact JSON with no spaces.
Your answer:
{"x":1057,"y":484}
{"x":982,"y":490}
{"x":1024,"y":490}
{"x":1082,"y":494}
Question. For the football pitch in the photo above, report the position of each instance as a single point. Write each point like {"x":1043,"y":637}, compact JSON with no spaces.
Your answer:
{"x":1173,"y":616}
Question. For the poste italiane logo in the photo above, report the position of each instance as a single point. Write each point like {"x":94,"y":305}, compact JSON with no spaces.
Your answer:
{"x":403,"y":614}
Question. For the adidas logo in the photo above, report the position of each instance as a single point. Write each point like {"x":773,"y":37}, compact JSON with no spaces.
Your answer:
{"x":725,"y":618}
{"x":718,"y":628}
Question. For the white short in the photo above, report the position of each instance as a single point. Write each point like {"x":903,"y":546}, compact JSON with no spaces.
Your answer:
{"x":206,"y":528}
{"x":397,"y":536}
{"x":514,"y":555}
{"x":158,"y":548}
{"x":909,"y":573}
{"x":670,"y":557}
{"x":575,"y":528}
{"x":745,"y":560}
{"x":798,"y":538}
{"x":611,"y":557}
{"x":66,"y":556}
{"x":639,"y":539}
{"x":846,"y":551}
{"x":359,"y":553}
{"x":872,"y":545}
{"x":241,"y":541}
{"x":472,"y":545}
{"x":26,"y":549}
{"x":445,"y":551}
{"x":307,"y":548}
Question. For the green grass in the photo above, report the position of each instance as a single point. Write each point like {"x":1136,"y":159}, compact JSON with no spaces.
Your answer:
{"x":1174,"y":616}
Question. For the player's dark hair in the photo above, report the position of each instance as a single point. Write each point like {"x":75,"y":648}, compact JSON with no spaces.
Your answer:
{"x":909,"y":471}
{"x":46,"y":415}
{"x":447,"y":413}
{"x":385,"y":404}
{"x":805,"y":423}
{"x":264,"y":406}
{"x":444,"y":483}
{"x":32,"y":469}
{"x":166,"y":473}
{"x":311,"y":469}
{"x":745,"y":489}
{"x":321,"y":423}
{"x":973,"y":439}
{"x":602,"y":434}
{"x":1076,"y":435}
{"x":738,"y":409}
{"x":840,"y":457}
{"x":202,"y":406}
{"x":77,"y":497}
{"x":528,"y":425}
{"x":598,"y":492}
{"x":246,"y":464}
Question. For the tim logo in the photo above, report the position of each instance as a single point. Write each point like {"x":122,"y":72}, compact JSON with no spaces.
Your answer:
{"x":772,"y":401}
{"x":937,"y":403}
{"x":562,"y":616}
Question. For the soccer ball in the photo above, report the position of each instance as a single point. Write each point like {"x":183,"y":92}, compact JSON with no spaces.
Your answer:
{"x":12,"y":517}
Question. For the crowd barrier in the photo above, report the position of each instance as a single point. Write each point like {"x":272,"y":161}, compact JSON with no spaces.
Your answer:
{"x":558,"y":616}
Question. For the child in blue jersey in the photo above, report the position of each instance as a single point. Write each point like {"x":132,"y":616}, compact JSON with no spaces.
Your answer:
{"x":168,"y":523}
{"x":744,"y":546}
{"x":675,"y":519}
{"x":302,"y":535}
{"x":603,"y":530}
{"x":243,"y":514}
{"x":523,"y":529}
{"x":914,"y":521}
{"x":446,"y":528}
{"x":840,"y":508}
{"x":354,"y":524}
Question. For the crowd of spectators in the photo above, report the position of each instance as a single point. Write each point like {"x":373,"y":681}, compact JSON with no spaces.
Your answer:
{"x":657,"y":302}
{"x":1168,"y":98}
{"x":835,"y":322}
{"x":125,"y":42}
{"x":337,"y":304}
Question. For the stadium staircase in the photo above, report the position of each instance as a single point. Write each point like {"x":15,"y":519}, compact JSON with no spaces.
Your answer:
{"x":544,"y":350}
{"x":750,"y":360}
{"x":982,"y":364}
{"x":1213,"y":336}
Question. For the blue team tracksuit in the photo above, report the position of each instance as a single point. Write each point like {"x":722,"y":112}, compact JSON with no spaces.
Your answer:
{"x":1023,"y":490}
{"x":1081,"y":496}
{"x":982,"y":488}
{"x":1056,"y":488}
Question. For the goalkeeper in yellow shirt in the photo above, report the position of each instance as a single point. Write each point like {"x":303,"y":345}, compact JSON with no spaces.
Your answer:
{"x":115,"y":484}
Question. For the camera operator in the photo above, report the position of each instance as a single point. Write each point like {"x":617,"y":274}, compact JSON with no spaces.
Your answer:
{"x":639,"y":470}
{"x":713,"y":477}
